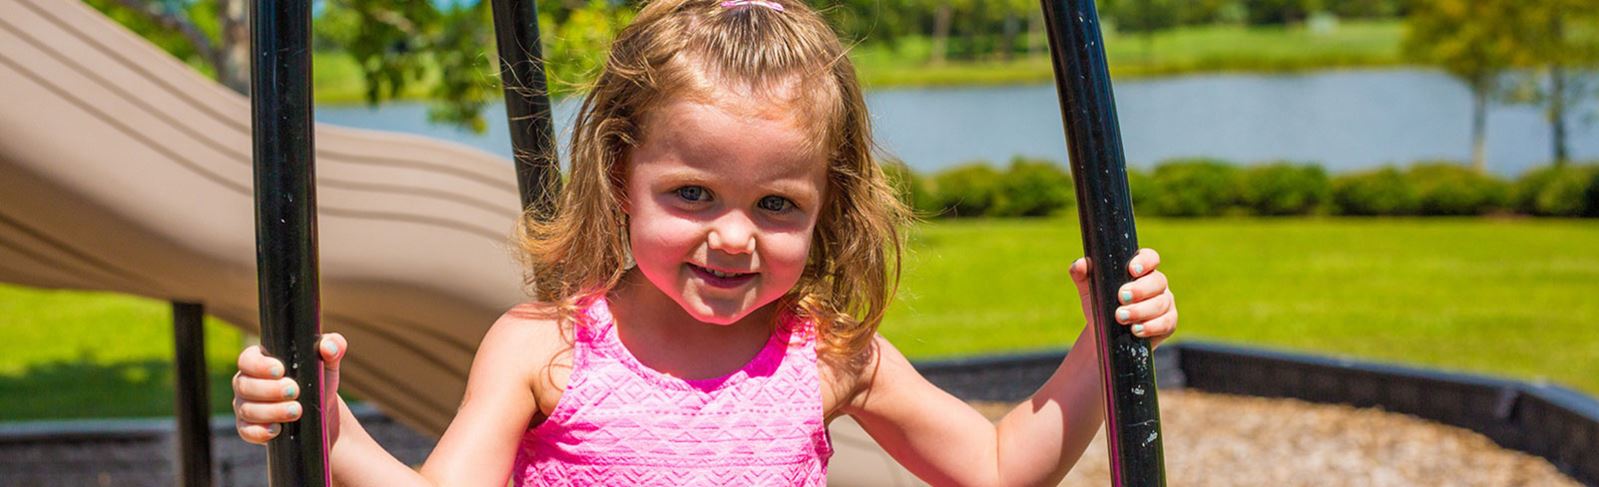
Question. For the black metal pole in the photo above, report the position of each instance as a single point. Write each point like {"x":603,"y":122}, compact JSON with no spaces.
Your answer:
{"x":285,"y":228}
{"x":1105,"y":213}
{"x":193,"y":402}
{"x":527,"y":104}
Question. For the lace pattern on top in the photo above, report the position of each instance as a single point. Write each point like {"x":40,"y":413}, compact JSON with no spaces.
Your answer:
{"x":621,"y":422}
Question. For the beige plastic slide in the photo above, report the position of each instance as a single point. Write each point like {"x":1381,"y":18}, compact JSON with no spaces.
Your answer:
{"x":121,"y":169}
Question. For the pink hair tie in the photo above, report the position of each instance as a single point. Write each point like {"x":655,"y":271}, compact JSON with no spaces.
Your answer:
{"x":764,"y":3}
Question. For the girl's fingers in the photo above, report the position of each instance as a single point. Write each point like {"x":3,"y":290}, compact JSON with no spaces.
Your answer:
{"x":332,"y":348}
{"x":1145,"y":310}
{"x":1159,"y":327}
{"x":253,"y":363}
{"x":1141,"y":289}
{"x":1143,"y":262}
{"x":1080,"y":273}
{"x":264,"y":390}
{"x":266,"y":412}
{"x":255,"y":433}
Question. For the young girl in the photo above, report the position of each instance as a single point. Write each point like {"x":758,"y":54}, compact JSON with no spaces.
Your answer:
{"x":710,"y":293}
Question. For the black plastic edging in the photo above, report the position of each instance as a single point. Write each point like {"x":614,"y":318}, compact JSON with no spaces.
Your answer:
{"x":1552,"y":422}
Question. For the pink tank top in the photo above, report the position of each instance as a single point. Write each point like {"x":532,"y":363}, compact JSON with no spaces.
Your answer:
{"x":622,"y":423}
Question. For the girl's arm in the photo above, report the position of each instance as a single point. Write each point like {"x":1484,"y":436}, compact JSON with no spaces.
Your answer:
{"x":480,"y":444}
{"x":945,"y":442}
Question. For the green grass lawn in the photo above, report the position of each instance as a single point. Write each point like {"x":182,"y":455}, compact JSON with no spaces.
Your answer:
{"x":1504,"y":297}
{"x":68,"y":354}
{"x":1208,"y":48}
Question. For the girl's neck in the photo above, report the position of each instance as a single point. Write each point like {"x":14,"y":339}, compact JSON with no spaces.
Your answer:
{"x":647,"y":318}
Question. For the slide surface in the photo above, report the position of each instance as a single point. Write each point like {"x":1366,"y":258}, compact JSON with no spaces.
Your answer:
{"x":123,"y":170}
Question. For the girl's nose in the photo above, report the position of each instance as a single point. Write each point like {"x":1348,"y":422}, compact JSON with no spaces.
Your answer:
{"x":733,"y":234}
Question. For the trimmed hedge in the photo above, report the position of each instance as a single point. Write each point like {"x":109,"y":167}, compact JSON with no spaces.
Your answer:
{"x":1198,"y":187}
{"x":1450,"y":188}
{"x":1194,"y":187}
{"x":1285,"y":188}
{"x":1568,"y":191}
{"x":968,"y":190}
{"x":1034,"y":187}
{"x":1381,"y":192}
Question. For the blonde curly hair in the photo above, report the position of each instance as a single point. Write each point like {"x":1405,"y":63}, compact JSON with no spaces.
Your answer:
{"x":677,"y":49}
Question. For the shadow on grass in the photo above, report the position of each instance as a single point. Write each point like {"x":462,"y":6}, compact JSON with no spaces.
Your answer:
{"x":85,"y":389}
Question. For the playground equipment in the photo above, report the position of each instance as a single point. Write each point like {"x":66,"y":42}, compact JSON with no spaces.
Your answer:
{"x":286,"y":213}
{"x":122,"y":170}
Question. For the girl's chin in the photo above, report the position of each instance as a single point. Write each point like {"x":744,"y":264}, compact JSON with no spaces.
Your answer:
{"x":716,"y":311}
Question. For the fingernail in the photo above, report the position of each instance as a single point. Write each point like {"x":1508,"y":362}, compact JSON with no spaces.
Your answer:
{"x":1123,"y":314}
{"x":1127,"y":296}
{"x":330,"y":347}
{"x":1138,"y":330}
{"x":1138,"y":269}
{"x":274,"y":428}
{"x":288,"y":391}
{"x":277,"y":371}
{"x":293,"y":409}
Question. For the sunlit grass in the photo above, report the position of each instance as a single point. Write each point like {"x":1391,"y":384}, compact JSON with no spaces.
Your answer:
{"x":1503,"y":297}
{"x":1209,"y":48}
{"x":70,"y":354}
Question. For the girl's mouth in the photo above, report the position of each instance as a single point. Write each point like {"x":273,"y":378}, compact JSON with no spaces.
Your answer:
{"x":726,"y":280}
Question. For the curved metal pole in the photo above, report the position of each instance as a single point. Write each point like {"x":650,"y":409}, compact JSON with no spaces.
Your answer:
{"x":1105,"y":212}
{"x":285,"y":228}
{"x":527,"y":104}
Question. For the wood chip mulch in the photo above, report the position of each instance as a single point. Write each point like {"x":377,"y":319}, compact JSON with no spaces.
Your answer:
{"x":1224,"y":440}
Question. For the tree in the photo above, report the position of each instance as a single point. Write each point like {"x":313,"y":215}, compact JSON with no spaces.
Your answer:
{"x":1557,"y":42}
{"x":1472,"y":41}
{"x":212,"y":34}
{"x":394,"y":43}
{"x":1145,"y":17}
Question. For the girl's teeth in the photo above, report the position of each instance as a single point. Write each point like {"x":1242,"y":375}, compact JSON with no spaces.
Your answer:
{"x":721,"y":274}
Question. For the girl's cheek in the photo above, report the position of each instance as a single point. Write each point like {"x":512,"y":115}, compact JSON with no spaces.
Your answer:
{"x":787,"y":252}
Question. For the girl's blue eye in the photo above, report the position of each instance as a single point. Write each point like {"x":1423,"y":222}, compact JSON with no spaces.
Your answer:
{"x":692,"y":193}
{"x":775,"y":204}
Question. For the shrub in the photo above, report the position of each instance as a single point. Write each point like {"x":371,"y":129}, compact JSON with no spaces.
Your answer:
{"x":965,"y":191}
{"x":909,"y":186}
{"x":1284,"y":188}
{"x":1380,"y":192}
{"x":1033,"y":187}
{"x":1142,"y":187}
{"x":1452,"y":188}
{"x":1524,"y":195}
{"x":1193,"y":187}
{"x":1572,"y":191}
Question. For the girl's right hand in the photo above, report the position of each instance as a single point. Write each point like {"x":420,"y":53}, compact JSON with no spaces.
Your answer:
{"x":263,"y":397}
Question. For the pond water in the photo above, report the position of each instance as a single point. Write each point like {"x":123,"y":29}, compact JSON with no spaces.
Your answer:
{"x":1344,"y":120}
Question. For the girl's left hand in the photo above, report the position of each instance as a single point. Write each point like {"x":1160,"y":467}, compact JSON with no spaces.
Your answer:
{"x":1147,"y":304}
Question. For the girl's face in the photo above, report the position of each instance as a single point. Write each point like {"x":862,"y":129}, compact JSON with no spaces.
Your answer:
{"x":722,"y":198}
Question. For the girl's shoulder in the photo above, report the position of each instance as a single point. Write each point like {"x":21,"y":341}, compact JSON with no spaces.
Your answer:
{"x":846,"y":377}
{"x":531,"y":340}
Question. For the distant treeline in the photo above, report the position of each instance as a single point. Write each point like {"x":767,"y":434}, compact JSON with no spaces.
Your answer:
{"x":975,"y":29}
{"x":1210,"y":187}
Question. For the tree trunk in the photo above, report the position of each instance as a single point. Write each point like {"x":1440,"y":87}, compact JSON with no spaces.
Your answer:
{"x":1557,"y":90}
{"x":941,"y":24}
{"x":1037,"y":40}
{"x":233,"y":49}
{"x":1479,"y":126}
{"x":1557,"y":113}
{"x":1007,"y":45}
